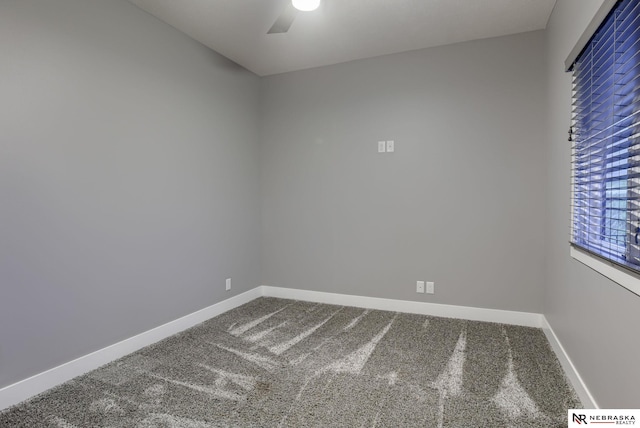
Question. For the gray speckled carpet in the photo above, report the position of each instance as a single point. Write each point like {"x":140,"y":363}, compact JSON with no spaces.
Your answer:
{"x":283,"y":363}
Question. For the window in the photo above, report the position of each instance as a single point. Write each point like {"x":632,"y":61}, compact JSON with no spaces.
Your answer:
{"x":605,"y":135}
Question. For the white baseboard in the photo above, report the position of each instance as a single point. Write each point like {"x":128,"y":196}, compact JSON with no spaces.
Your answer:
{"x":27,"y":388}
{"x":572,"y":374}
{"x":448,"y":311}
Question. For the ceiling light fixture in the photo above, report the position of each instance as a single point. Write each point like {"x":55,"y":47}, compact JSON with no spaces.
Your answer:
{"x":306,"y":5}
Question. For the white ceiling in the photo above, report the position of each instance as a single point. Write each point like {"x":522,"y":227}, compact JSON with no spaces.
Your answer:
{"x":342,"y":30}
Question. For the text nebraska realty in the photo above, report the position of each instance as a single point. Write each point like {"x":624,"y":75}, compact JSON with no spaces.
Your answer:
{"x":610,"y":419}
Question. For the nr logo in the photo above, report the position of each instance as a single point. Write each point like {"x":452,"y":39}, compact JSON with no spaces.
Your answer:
{"x":580,"y":419}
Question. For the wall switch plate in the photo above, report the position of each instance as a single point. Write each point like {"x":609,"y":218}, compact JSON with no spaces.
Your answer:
{"x":227,"y":284}
{"x":391,"y":146}
{"x":431,"y":287}
{"x":419,"y":286}
{"x":382,"y":146}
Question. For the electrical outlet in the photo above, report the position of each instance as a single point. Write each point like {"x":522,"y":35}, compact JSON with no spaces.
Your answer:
{"x":391,"y":146}
{"x":431,"y":287}
{"x":228,"y":284}
{"x":382,"y":146}
{"x":419,"y":286}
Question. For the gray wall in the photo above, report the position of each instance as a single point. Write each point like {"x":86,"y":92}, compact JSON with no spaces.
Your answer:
{"x":128,"y":178}
{"x":462,"y":200}
{"x":596,"y":320}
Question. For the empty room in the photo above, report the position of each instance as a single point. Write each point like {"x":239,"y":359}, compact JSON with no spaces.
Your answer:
{"x":349,"y":213}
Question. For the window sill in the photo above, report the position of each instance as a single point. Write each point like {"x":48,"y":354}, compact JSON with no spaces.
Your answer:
{"x":615,"y":274}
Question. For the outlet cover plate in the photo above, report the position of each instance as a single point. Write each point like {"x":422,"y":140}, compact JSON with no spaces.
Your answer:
{"x":391,"y":146}
{"x":431,"y":286}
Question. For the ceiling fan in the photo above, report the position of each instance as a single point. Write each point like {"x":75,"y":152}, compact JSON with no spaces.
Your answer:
{"x":286,"y":18}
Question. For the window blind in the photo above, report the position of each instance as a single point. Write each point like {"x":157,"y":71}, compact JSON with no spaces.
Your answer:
{"x":605,"y":135}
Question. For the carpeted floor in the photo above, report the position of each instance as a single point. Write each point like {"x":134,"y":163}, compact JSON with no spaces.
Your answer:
{"x":283,"y":363}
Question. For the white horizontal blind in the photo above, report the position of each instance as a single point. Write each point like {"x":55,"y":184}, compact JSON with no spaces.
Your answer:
{"x":606,"y":139}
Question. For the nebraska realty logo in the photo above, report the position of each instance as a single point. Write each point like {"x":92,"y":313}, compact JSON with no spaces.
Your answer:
{"x":598,"y":417}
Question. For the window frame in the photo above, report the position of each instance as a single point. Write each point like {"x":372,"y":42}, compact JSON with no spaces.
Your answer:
{"x":616,"y":271}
